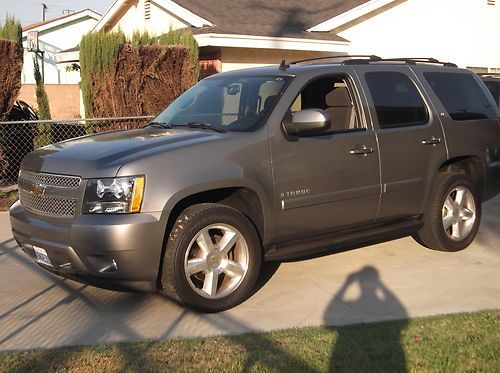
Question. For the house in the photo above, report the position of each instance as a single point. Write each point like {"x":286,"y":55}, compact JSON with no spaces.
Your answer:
{"x":235,"y":34}
{"x":61,"y":78}
{"x":53,"y":36}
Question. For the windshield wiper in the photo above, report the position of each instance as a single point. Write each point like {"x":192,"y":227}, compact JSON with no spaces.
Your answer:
{"x":199,"y":125}
{"x":159,"y":124}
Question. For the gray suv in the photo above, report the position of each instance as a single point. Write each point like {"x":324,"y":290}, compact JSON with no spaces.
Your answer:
{"x":265,"y":164}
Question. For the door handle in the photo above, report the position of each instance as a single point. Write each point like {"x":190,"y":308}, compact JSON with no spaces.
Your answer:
{"x":432,"y":141}
{"x":361,"y":150}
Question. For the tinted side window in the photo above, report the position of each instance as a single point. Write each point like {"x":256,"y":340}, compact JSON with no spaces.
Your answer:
{"x":461,"y":96}
{"x":397,"y":101}
{"x":494,"y":88}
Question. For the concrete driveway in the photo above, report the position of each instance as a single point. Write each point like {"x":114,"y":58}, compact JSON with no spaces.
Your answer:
{"x":394,"y":280}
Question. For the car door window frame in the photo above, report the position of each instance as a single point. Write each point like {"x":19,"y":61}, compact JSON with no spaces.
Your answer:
{"x":398,"y":127}
{"x":354,"y":94}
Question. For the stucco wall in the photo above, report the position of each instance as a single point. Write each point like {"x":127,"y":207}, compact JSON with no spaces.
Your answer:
{"x":53,"y":41}
{"x":160,"y":20}
{"x":242,"y":58}
{"x":64,"y":99}
{"x":466,"y":32}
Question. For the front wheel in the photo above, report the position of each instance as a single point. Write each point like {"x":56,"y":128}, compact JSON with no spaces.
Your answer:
{"x":453,"y":214}
{"x":212,"y":258}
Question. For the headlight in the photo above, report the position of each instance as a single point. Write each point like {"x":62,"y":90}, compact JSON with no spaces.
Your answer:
{"x":121,"y":195}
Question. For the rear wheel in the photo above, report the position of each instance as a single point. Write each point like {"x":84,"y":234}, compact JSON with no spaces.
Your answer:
{"x":453,"y":214}
{"x":212,"y":258}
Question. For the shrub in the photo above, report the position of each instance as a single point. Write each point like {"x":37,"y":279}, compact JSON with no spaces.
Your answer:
{"x":12,"y":30}
{"x":11,"y":64}
{"x":183,"y":37}
{"x":139,"y":78}
{"x":98,"y":51}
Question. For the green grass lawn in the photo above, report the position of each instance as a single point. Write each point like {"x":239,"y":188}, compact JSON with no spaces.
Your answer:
{"x":455,"y":343}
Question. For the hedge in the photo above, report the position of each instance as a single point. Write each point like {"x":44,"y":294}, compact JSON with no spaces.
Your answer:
{"x":140,"y":77}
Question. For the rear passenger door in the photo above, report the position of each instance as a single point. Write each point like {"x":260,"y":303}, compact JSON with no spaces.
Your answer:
{"x":410,"y":138}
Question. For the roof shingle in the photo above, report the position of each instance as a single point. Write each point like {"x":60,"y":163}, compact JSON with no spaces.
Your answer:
{"x":278,"y":18}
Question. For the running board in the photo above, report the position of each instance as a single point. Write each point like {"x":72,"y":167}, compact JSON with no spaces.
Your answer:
{"x":342,"y":240}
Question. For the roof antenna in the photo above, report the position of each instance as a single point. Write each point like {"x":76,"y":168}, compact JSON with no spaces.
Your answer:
{"x":44,"y":10}
{"x":284,"y":66}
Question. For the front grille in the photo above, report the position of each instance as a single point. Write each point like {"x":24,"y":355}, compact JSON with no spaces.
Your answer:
{"x":47,"y":194}
{"x":49,"y":179}
{"x":48,"y":205}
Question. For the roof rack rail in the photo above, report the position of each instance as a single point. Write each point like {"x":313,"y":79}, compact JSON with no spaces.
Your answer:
{"x":367,"y":59}
{"x":285,"y":66}
{"x":407,"y":60}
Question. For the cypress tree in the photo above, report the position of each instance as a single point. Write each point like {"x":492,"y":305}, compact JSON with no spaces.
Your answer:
{"x":44,"y":130}
{"x":12,"y":30}
{"x":41,"y":95}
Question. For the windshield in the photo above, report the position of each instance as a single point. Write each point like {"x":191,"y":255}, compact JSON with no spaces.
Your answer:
{"x":226,"y":103}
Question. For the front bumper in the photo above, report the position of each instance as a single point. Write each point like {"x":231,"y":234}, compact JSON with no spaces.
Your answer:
{"x":119,"y":252}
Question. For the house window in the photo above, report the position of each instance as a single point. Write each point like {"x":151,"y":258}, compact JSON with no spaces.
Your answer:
{"x":147,"y":9}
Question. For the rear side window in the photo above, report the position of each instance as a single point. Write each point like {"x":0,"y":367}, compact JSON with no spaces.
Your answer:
{"x":397,"y":101}
{"x":461,"y":96}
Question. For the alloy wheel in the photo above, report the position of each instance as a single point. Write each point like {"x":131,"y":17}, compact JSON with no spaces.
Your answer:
{"x":459,"y":213}
{"x":216,"y":261}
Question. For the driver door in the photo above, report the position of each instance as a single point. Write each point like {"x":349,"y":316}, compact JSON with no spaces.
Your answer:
{"x":330,"y":181}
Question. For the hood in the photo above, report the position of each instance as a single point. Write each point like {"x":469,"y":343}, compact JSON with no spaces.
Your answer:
{"x":102,"y":155}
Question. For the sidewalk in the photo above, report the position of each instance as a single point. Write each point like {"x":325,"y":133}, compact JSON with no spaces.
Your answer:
{"x":394,"y":280}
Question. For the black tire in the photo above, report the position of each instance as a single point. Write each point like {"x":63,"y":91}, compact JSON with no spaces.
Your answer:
{"x":433,"y":234}
{"x":174,"y":281}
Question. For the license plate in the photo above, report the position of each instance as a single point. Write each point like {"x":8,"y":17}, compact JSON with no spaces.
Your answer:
{"x":41,"y":256}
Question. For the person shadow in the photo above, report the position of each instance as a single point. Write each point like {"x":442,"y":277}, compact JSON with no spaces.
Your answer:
{"x":374,"y":347}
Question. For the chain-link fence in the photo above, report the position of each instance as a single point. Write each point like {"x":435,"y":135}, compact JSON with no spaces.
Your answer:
{"x":17,"y":139}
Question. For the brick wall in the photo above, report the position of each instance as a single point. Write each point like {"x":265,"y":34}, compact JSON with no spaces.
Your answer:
{"x":64,"y":99}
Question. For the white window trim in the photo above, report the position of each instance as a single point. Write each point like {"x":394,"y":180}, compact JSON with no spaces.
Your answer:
{"x":350,"y":15}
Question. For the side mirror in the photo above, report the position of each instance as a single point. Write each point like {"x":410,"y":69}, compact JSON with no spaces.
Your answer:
{"x":307,"y":122}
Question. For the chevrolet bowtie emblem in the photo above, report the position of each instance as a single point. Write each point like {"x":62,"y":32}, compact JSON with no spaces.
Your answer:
{"x":37,"y":190}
